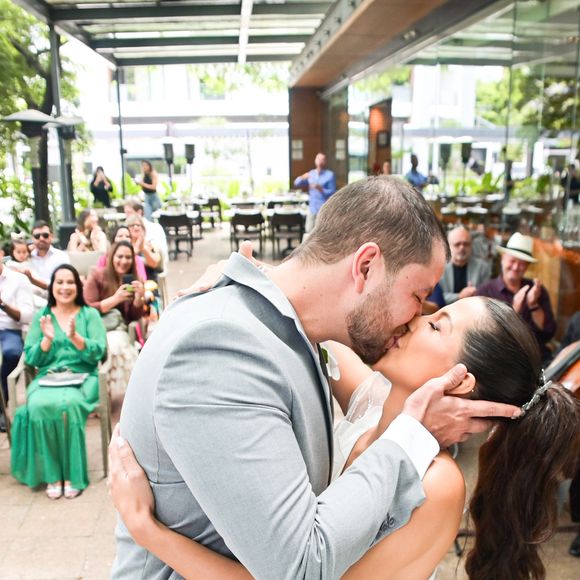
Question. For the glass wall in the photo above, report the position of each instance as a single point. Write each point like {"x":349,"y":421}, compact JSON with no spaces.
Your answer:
{"x":494,"y":107}
{"x":491,"y":113}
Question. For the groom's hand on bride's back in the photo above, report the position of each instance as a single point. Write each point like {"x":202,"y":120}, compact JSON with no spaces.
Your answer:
{"x":452,"y":419}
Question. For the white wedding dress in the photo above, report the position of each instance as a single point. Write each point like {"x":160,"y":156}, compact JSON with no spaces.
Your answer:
{"x":364,"y":411}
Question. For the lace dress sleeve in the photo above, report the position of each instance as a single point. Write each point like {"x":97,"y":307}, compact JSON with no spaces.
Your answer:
{"x":364,"y":411}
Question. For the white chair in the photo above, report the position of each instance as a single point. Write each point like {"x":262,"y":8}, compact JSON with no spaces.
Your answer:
{"x":84,"y":261}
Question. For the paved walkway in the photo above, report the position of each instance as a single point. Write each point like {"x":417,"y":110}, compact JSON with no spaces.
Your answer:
{"x":62,"y":540}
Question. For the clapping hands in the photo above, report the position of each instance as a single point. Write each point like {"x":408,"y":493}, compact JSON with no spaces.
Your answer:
{"x":533,"y":296}
{"x":47,"y":327}
{"x":530,"y":295}
{"x":71,"y":327}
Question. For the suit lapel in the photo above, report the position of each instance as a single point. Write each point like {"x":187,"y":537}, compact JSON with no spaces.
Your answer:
{"x":329,"y":409}
{"x":241,"y":271}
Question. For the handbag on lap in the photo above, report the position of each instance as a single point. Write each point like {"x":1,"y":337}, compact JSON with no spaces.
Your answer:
{"x":62,"y":378}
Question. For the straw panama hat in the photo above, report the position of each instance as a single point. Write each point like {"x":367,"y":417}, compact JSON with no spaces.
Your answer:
{"x":519,"y":247}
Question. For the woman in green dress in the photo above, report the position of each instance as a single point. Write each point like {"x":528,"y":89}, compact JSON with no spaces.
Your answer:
{"x":48,"y":435}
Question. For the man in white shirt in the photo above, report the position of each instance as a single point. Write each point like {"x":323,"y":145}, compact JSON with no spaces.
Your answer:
{"x":45,"y":258}
{"x":153,"y":231}
{"x":15,"y":311}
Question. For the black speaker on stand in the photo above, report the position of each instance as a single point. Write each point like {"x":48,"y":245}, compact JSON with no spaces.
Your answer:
{"x":465,"y":157}
{"x":189,"y":157}
{"x":168,"y":154}
{"x":444,"y":157}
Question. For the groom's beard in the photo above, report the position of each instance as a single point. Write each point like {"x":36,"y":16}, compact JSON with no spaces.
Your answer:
{"x":370,"y":325}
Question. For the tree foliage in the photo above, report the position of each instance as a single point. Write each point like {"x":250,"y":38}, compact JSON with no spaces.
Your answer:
{"x":25,"y":74}
{"x":222,"y":78}
{"x":26,"y":82}
{"x":543,"y":103}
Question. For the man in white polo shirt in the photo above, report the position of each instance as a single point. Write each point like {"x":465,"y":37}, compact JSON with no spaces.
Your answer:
{"x":15,"y":311}
{"x":45,"y":258}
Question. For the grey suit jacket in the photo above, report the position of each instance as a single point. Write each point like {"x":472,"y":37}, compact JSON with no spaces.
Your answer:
{"x":478,"y":271}
{"x":230,"y":415}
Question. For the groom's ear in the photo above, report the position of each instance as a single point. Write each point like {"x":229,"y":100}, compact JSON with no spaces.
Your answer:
{"x":465,"y":387}
{"x":365,"y":264}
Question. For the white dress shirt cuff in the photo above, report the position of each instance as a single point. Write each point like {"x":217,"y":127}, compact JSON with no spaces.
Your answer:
{"x":415,"y":440}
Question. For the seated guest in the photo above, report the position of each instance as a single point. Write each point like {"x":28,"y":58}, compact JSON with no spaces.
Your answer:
{"x":118,"y":285}
{"x":19,"y":256}
{"x":20,"y":262}
{"x":154,"y":233}
{"x":15,"y":313}
{"x":117,"y":292}
{"x":144,"y":248}
{"x":48,"y":435}
{"x":88,"y":236}
{"x":121,"y":234}
{"x":528,"y":297}
{"x":44,"y":257}
{"x":464,"y":272}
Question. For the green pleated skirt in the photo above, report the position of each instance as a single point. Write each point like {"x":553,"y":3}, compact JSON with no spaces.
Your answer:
{"x":48,"y":434}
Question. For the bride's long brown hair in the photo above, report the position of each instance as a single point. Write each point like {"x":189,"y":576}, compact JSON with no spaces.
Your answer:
{"x":513,"y":506}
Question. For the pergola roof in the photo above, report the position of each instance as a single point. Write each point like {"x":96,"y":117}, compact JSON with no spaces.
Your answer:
{"x":329,"y":43}
{"x":144,"y":32}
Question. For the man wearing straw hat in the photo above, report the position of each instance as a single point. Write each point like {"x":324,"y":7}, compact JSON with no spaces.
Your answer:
{"x":528,"y":297}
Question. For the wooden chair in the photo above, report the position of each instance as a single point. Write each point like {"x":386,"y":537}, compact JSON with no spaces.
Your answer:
{"x":246,"y":226}
{"x":103,"y":408}
{"x":286,"y":226}
{"x":177,"y":228}
{"x":197,"y":222}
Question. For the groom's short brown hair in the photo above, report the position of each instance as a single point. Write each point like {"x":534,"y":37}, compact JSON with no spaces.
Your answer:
{"x":384,"y":210}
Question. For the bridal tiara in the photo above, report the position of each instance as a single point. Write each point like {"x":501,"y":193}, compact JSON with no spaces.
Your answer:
{"x":543,"y":386}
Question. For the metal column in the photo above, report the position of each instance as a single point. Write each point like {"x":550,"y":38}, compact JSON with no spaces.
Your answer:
{"x":68,"y":212}
{"x":122,"y":149}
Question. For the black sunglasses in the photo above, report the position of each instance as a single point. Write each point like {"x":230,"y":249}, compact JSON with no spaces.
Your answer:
{"x":43,"y":235}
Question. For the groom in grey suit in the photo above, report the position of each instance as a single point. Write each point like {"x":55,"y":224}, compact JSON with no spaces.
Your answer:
{"x":229,"y":410}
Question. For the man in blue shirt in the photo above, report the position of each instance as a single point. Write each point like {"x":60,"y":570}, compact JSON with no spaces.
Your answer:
{"x":321,"y":185}
{"x":414,"y":177}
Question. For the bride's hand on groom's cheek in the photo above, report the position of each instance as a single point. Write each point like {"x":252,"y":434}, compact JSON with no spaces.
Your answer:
{"x":214,"y":272}
{"x":129,"y":488}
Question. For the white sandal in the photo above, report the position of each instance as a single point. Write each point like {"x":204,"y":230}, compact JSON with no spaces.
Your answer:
{"x":54,"y":490}
{"x":71,"y":492}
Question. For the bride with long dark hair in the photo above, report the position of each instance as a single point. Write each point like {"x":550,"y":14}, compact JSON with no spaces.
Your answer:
{"x":520,"y":465}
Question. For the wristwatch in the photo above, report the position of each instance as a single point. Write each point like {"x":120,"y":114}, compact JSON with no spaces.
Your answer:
{"x":2,"y":304}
